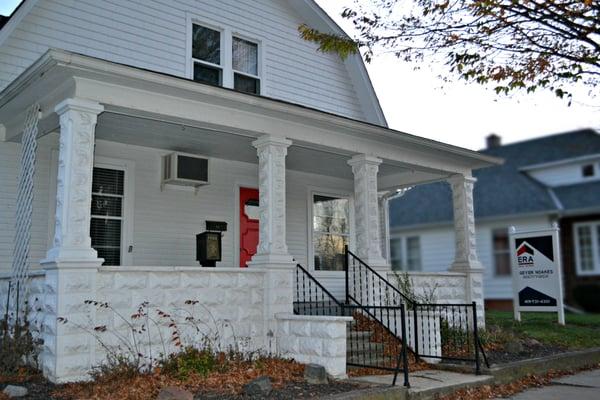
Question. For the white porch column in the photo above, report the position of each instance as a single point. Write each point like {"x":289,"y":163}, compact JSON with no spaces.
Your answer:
{"x":366,"y":209}
{"x":272,"y":253}
{"x":71,"y":264}
{"x":465,"y":258}
{"x":72,"y":241}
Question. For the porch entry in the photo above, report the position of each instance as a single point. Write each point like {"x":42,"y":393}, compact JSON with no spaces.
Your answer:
{"x":249,"y":202}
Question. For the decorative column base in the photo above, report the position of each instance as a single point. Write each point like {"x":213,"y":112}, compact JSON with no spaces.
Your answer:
{"x":67,"y":355}
{"x":278,"y":295}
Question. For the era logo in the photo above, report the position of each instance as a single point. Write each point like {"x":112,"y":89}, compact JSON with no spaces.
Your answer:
{"x":527,"y":259}
{"x":525,"y":255}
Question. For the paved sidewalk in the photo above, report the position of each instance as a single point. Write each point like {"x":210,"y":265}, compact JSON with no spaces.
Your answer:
{"x":582,"y":386}
{"x":429,"y":383}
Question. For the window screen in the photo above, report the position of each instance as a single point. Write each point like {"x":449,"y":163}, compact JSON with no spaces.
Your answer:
{"x":245,"y":66}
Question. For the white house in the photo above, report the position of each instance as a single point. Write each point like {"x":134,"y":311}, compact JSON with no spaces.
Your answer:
{"x":98,"y":98}
{"x":547,"y":180}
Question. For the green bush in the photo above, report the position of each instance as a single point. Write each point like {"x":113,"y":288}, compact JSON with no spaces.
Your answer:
{"x":587,"y":296}
{"x":190,"y":361}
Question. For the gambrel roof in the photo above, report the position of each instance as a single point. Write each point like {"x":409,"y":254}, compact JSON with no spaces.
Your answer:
{"x":311,"y":13}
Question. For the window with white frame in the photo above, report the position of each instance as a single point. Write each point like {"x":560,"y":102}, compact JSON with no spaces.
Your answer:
{"x":245,"y":66}
{"x":206,"y":55}
{"x":331,"y":230}
{"x":405,"y":253}
{"x":108,"y":201}
{"x":587,"y":248}
{"x":501,"y":252}
{"x":214,"y":62}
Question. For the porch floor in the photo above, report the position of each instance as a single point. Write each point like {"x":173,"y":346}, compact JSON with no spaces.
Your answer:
{"x":429,"y":383}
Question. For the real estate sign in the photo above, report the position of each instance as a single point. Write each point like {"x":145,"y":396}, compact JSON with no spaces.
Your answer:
{"x":537,"y":272}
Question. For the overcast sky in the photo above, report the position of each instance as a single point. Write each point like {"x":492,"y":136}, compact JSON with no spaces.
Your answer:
{"x":460,"y":114}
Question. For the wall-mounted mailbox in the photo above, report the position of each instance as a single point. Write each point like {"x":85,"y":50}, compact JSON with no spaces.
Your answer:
{"x":208,"y":248}
{"x":216,"y":226}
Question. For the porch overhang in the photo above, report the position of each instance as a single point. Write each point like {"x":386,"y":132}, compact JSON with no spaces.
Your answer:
{"x":134,"y":92}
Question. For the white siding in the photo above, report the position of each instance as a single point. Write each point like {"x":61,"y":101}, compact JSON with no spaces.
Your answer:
{"x":561,"y":175}
{"x":152,"y":35}
{"x":165,"y":222}
{"x":437,"y":250}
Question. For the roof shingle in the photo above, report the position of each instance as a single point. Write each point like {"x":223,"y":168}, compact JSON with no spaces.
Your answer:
{"x":504,"y":189}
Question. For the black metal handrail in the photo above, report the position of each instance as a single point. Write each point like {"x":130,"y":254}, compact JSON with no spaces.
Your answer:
{"x":312,"y":298}
{"x":436,"y":332}
{"x":382,"y":281}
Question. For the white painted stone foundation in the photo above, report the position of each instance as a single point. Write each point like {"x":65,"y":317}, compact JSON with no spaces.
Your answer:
{"x":314,"y":339}
{"x":231,"y":303}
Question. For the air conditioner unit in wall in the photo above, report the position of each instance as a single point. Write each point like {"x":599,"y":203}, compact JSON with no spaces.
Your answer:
{"x":185,"y":170}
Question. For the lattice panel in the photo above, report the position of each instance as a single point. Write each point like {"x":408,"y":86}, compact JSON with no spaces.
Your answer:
{"x":24,"y":208}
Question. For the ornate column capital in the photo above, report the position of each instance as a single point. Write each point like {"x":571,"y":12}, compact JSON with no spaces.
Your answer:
{"x":72,"y":243}
{"x":78,"y":104}
{"x":361,"y":160}
{"x":272,"y":247}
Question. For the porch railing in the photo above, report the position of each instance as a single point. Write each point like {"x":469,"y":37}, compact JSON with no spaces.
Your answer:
{"x":369,"y":343}
{"x":435,"y":332}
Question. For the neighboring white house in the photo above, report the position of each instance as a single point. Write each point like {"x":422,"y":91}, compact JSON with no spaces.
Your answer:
{"x":546,"y":180}
{"x":126,"y":126}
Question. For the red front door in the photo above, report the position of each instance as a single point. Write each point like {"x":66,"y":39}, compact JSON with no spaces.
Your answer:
{"x":248,"y":225}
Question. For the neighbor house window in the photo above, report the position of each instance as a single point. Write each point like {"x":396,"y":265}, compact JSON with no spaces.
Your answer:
{"x":588,"y":171}
{"x":405,"y":253}
{"x":587,"y":248}
{"x":216,"y":63}
{"x":206,"y":55}
{"x":501,"y":252}
{"x":331,"y":229}
{"x":107,"y":214}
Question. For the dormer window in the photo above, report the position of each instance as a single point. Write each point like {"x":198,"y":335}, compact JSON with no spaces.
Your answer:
{"x":222,"y":59}
{"x":588,"y":171}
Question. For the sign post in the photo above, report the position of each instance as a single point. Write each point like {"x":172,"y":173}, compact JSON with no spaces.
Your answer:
{"x":537,"y":272}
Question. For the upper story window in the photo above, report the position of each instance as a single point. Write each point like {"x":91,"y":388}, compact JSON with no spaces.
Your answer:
{"x":588,"y":171}
{"x":222,"y":59}
{"x":206,"y":55}
{"x":245,"y":66}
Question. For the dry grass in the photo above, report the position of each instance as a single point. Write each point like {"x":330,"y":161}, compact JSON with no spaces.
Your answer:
{"x":147,"y":386}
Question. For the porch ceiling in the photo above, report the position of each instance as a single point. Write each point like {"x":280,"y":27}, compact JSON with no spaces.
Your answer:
{"x":170,"y":136}
{"x":220,"y":122}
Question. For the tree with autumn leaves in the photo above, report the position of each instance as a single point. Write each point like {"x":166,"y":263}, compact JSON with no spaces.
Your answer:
{"x":511,"y":44}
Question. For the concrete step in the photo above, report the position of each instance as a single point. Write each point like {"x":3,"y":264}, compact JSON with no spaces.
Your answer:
{"x":358,"y":335}
{"x":364,"y":348}
{"x":370,"y":361}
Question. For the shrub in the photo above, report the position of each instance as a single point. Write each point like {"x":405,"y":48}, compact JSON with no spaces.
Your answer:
{"x":18,"y":349}
{"x":587,"y":297}
{"x":189,"y":361}
{"x":189,"y":345}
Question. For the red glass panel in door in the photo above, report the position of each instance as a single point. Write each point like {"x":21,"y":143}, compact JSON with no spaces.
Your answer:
{"x":248,"y":225}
